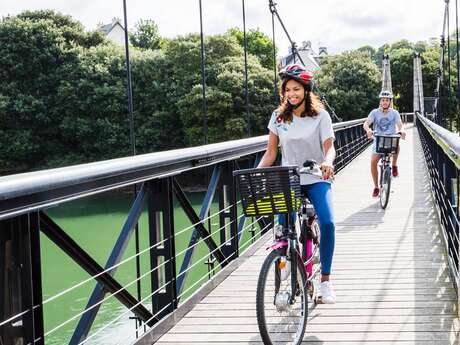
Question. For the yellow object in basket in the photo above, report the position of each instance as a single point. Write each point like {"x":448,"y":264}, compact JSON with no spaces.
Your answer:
{"x":271,"y":204}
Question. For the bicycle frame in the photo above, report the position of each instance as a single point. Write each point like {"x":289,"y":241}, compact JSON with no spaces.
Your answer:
{"x":385,"y":180}
{"x":290,"y":242}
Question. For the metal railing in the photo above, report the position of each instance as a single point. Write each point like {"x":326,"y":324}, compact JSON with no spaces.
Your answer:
{"x":407,"y":117}
{"x":25,"y":200}
{"x":442,"y":154}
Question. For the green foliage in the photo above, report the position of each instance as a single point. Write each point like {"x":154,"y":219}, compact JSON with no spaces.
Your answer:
{"x":36,"y":50}
{"x":258,"y":44}
{"x":225,"y":92}
{"x":369,"y":50}
{"x":351,"y":83}
{"x":401,"y":55}
{"x":146,"y":35}
{"x":63,"y":96}
{"x":401,"y":44}
{"x":71,"y":30}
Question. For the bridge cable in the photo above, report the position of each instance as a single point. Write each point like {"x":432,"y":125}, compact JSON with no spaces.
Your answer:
{"x":295,"y":53}
{"x":438,"y":93}
{"x":275,"y":75}
{"x":246,"y":91}
{"x":449,"y":65}
{"x":203,"y":78}
{"x":458,"y":66}
{"x":132,"y":136}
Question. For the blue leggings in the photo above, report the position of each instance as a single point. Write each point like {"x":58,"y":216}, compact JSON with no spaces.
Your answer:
{"x":320,"y":195}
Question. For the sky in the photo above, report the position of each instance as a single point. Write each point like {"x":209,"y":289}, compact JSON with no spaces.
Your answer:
{"x":338,"y":25}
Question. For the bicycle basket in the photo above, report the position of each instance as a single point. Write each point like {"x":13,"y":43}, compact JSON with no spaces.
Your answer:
{"x":266,"y":191}
{"x":386,"y":143}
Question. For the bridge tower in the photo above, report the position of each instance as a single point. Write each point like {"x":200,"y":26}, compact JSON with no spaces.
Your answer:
{"x":386,"y":73}
{"x":418,"y":86}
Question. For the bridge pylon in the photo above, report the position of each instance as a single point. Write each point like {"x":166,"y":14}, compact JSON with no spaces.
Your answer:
{"x":419,"y":105}
{"x":386,"y":73}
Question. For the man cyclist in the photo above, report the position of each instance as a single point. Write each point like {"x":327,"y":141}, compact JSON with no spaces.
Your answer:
{"x":386,"y":121}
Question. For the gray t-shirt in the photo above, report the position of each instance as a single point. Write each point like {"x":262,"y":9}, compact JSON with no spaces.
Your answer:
{"x":302,"y":139}
{"x":384,"y":123}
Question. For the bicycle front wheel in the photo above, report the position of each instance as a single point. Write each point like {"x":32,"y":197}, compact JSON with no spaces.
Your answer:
{"x":279,"y":320}
{"x":385,"y":190}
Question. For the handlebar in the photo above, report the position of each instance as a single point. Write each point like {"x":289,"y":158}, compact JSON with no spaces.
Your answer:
{"x":397,"y":135}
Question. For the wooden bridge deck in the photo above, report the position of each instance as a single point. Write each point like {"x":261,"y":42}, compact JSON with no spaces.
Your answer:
{"x":390,"y":272}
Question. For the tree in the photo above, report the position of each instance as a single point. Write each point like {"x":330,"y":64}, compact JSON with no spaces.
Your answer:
{"x":146,"y":35}
{"x":63,"y":93}
{"x":157,"y":122}
{"x":71,"y":30}
{"x":430,"y":68}
{"x":226,"y":107}
{"x":258,"y":44}
{"x":94,"y":122}
{"x":36,"y":47}
{"x":369,"y":50}
{"x":350,"y":82}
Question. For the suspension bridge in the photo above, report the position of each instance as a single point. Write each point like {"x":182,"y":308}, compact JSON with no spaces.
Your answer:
{"x":395,"y":270}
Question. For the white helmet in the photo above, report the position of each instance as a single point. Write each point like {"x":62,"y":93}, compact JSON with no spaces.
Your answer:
{"x":386,"y":94}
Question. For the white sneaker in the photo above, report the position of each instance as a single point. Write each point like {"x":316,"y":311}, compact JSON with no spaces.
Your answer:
{"x":327,"y":292}
{"x":286,"y":270}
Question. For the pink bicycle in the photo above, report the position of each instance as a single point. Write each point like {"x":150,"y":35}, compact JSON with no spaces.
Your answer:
{"x":282,"y":292}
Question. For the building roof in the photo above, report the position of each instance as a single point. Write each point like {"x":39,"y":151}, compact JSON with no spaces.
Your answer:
{"x":309,"y":57}
{"x":106,"y":28}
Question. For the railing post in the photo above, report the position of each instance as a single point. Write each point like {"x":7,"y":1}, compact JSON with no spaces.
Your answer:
{"x":228,"y":223}
{"x":161,"y":230}
{"x":21,"y":288}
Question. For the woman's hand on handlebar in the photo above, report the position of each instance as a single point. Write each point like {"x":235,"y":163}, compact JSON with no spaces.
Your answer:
{"x":328,"y":170}
{"x":402,"y":134}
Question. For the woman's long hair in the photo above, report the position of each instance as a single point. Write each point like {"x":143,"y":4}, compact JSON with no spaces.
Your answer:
{"x":312,"y":103}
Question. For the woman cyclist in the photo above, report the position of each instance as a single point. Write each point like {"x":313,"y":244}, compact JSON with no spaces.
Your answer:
{"x":304,"y":131}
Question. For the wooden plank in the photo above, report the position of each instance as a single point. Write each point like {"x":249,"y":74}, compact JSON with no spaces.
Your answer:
{"x":313,"y":341}
{"x":352,"y":291}
{"x":318,"y":328}
{"x":316,"y":341}
{"x":333,"y":320}
{"x":350,"y":304}
{"x":326,"y":336}
{"x":440,"y":311}
{"x":418,"y":299}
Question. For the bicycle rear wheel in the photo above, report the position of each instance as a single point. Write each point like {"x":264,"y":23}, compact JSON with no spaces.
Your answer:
{"x":281,"y":322}
{"x":385,"y":189}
